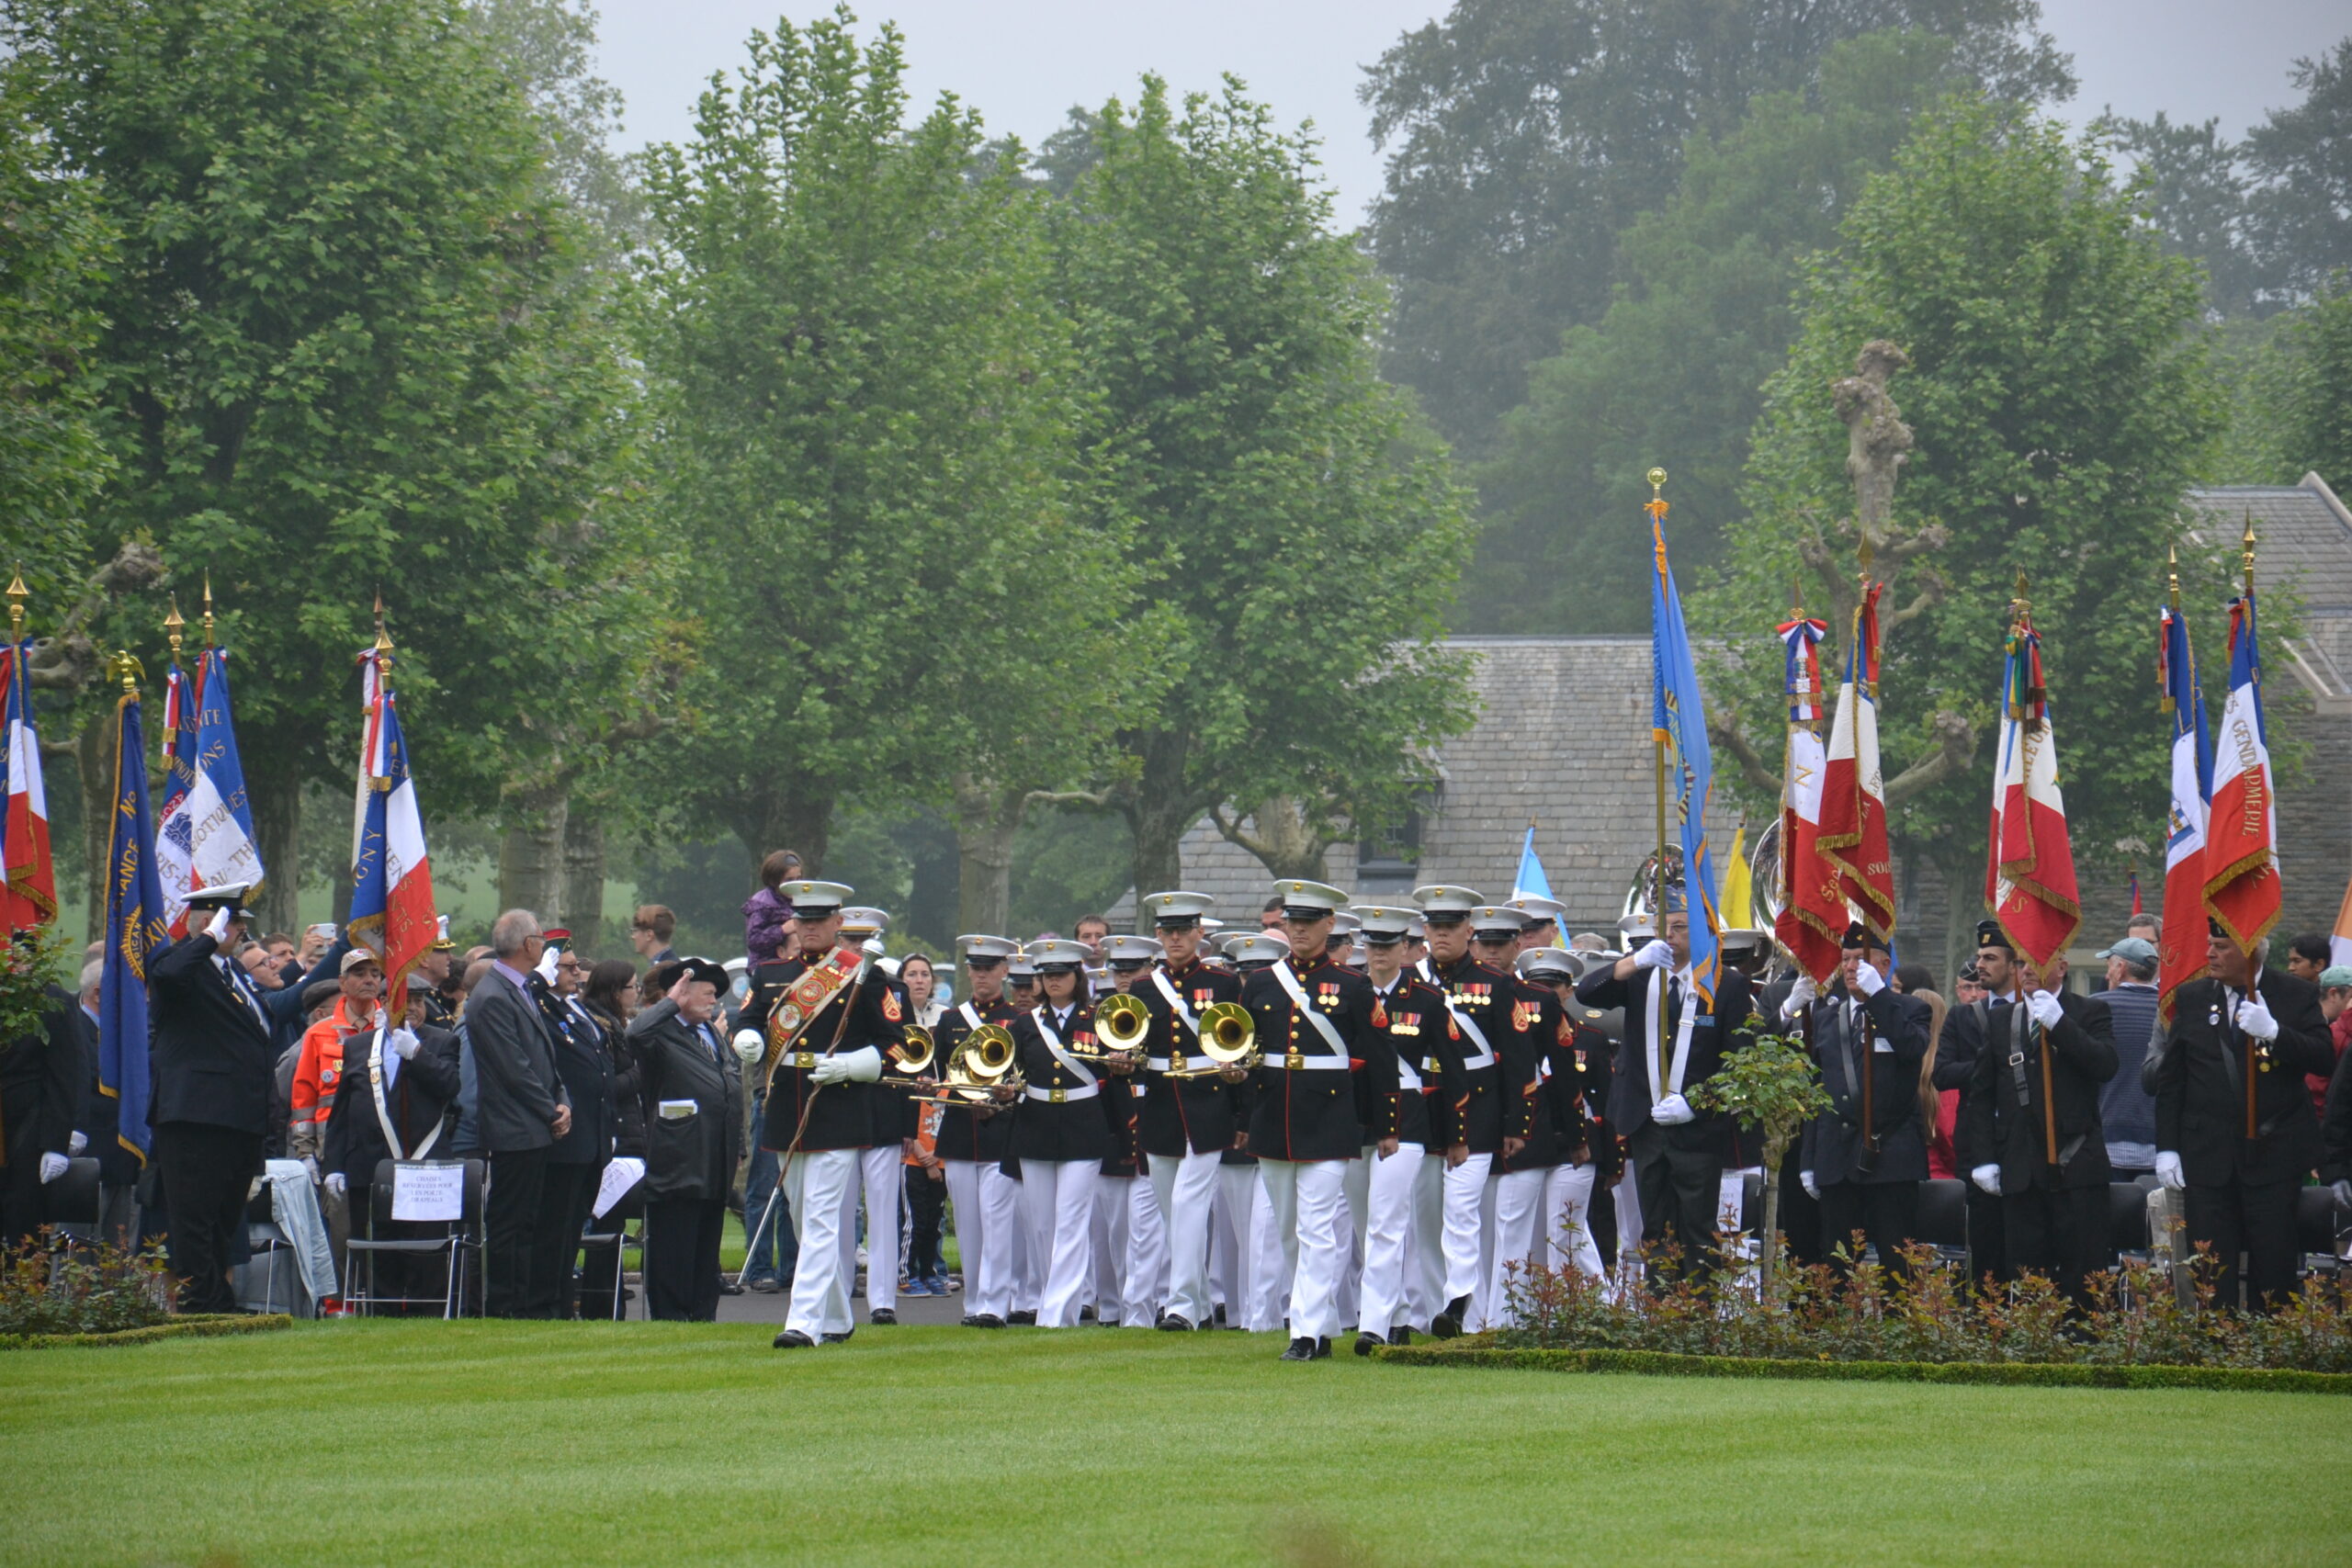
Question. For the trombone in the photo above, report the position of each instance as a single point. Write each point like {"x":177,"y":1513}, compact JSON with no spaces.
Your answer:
{"x":914,"y":1060}
{"x":1229,"y":1039}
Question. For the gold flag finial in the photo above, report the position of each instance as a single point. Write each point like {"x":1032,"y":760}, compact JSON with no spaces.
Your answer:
{"x":208,"y":611}
{"x":17,"y":593}
{"x":2248,"y":545}
{"x":128,"y":669}
{"x":383,"y":638}
{"x":1657,"y":481}
{"x":1797,"y":596}
{"x":2019,"y":604}
{"x":175,"y":628}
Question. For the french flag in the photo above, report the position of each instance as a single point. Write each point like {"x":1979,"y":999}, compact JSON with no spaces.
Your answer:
{"x":1813,"y":909}
{"x":1853,"y":794}
{"x":2181,"y":957}
{"x":2242,"y":889}
{"x":30,"y":897}
{"x":392,"y":892}
{"x":2029,"y":866}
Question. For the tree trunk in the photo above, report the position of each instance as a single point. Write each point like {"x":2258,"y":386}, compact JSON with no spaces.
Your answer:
{"x":530,"y":852}
{"x":1160,"y":812}
{"x":1284,"y":839}
{"x":785,"y":819}
{"x":274,"y":787}
{"x":584,"y":876}
{"x":1960,"y":928}
{"x":1767,"y":1255}
{"x":93,"y":771}
{"x":986,"y":816}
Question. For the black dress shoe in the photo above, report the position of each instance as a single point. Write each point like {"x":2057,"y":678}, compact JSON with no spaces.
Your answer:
{"x":729,"y":1288}
{"x":1448,"y":1324}
{"x":1367,"y":1343}
{"x":1219,"y":1317}
{"x":883,"y":1315}
{"x":838,"y":1338}
{"x":1021,"y":1319}
{"x":1305,"y":1349}
{"x":984,"y":1320}
{"x":1400,"y":1335}
{"x":1086,"y":1314}
{"x":793,"y":1340}
{"x":1175,"y":1323}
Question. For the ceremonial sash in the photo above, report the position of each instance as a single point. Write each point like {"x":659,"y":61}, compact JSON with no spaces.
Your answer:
{"x":384,"y":1111}
{"x":812,"y":993}
{"x":1462,"y":1020}
{"x":1175,"y":999}
{"x":1656,"y":1011}
{"x":1086,"y":1080}
{"x":1297,"y":994}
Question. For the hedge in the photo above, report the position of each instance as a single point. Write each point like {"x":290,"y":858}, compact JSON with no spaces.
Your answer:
{"x":202,"y":1325}
{"x":2012,"y":1374}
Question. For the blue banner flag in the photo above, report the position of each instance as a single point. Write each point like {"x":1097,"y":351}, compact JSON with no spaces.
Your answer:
{"x":1679,"y":724}
{"x":135,"y":928}
{"x":1531,"y":883}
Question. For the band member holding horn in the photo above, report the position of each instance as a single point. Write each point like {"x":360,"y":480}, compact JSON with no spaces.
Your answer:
{"x":1064,"y":1131}
{"x":973,"y":1140}
{"x":1576,"y":1088}
{"x":1313,"y":1021}
{"x":1400,"y":1219}
{"x":832,"y":1022}
{"x":1189,"y":1120}
{"x":882,"y":1164}
{"x":1130,"y":1233}
{"x":1478,"y":1004}
{"x":1863,"y":1159}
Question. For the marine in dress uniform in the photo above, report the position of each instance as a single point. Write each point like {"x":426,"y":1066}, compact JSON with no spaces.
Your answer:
{"x":1063,"y":1131}
{"x":973,"y":1140}
{"x":1864,"y":1157}
{"x":882,"y":1164}
{"x":2235,"y":1126}
{"x":1400,"y":1218}
{"x":1479,"y":1005}
{"x":2032,"y":1116}
{"x":1674,"y":1040}
{"x":831,"y":1020}
{"x":212,"y":1063}
{"x":1131,"y":1262}
{"x":1314,"y":1032}
{"x":1533,"y":1151}
{"x":1187,"y":1125}
{"x":1576,"y":1088}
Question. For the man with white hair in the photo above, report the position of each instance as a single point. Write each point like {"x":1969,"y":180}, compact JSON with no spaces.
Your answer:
{"x":520,"y":1109}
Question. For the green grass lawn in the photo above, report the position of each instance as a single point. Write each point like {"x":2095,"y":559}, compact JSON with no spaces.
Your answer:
{"x":569,"y":1445}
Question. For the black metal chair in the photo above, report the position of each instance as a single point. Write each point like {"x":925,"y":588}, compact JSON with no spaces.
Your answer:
{"x":268,"y":1246}
{"x":455,"y":1239}
{"x":71,"y":1203}
{"x":1943,"y":1218}
{"x":620,"y":1238}
{"x":2127,"y":1218}
{"x":2323,"y":1231}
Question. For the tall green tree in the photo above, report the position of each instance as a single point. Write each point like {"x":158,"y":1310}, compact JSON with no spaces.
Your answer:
{"x":2299,"y":161}
{"x":1296,"y":526}
{"x":872,"y":421}
{"x":345,"y":349}
{"x":2060,"y":397}
{"x":1675,"y":372}
{"x":1524,"y":136}
{"x":2298,"y":418}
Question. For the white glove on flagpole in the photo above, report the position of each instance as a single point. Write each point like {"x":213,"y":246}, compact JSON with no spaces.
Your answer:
{"x":77,"y":1143}
{"x":1868,"y":980}
{"x":2045,"y":1008}
{"x":1653,"y":954}
{"x":1812,"y":1189}
{"x":1988,"y":1177}
{"x":337,"y":1183}
{"x":2169,"y":1171}
{"x":2255,"y":1019}
{"x":1672,"y":1111}
{"x":403,"y":1043}
{"x":748,"y":1045}
{"x":52,"y":1168}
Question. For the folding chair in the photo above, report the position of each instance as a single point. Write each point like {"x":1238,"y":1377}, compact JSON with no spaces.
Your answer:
{"x":1943,"y":1218}
{"x":70,"y":1203}
{"x":2322,"y":1232}
{"x":620,"y":1240}
{"x":457,"y":1239}
{"x":271,"y":1251}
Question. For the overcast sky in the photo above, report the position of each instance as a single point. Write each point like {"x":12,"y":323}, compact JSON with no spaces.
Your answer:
{"x":1023,"y":62}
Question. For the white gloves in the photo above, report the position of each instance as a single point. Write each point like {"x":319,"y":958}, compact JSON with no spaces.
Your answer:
{"x":1812,"y":1188}
{"x":310,"y":1166}
{"x":52,"y":1168}
{"x":548,"y":961}
{"x":1653,"y":954}
{"x":77,"y":1143}
{"x":748,"y":1045}
{"x":217,"y":925}
{"x":335,"y":1182}
{"x":2169,"y":1171}
{"x":403,"y":1043}
{"x":871,"y":947}
{"x":1867,"y":980}
{"x":1800,"y":996}
{"x":1988,"y":1177}
{"x":2045,"y":1008}
{"x":855,"y":1066}
{"x":1672,"y":1111}
{"x":2255,"y":1019}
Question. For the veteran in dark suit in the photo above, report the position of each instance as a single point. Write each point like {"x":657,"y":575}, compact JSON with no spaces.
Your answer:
{"x":1864,"y":1157}
{"x":520,"y":1108}
{"x":692,"y":1083}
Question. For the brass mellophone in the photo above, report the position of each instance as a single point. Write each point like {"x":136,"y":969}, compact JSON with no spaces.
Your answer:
{"x":1229,"y":1039}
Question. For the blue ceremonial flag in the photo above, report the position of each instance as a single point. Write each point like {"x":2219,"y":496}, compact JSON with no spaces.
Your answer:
{"x":135,"y":928}
{"x":1531,"y":883}
{"x":221,"y":843}
{"x":1679,"y":724}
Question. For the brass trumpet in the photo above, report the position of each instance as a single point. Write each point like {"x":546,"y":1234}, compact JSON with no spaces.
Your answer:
{"x":913,"y":1059}
{"x":982,"y":1064}
{"x":1229,"y":1039}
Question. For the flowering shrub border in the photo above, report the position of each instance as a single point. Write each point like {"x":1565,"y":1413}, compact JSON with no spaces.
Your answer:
{"x":203,"y":1325}
{"x":2022,"y":1374}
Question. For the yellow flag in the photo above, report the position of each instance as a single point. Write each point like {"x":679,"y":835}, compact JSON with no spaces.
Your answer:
{"x":1739,"y":888}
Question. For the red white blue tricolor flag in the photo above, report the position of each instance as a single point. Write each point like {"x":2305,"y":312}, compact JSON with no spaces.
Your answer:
{"x":2242,"y":888}
{"x":222,"y":846}
{"x":1853,"y":794}
{"x":174,"y":832}
{"x":2181,"y":954}
{"x":2029,"y":866}
{"x":1813,"y":909}
{"x":30,"y":896}
{"x":392,"y":891}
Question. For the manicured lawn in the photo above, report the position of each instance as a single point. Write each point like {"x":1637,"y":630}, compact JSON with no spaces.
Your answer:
{"x":585,"y":1443}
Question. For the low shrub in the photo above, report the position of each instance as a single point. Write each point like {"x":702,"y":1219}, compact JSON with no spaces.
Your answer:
{"x":46,"y":1288}
{"x":1927,"y":1314}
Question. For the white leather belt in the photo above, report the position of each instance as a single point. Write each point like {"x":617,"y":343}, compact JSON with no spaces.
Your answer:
{"x":1188,"y":1064}
{"x":1057,"y":1096}
{"x":1298,"y":1061}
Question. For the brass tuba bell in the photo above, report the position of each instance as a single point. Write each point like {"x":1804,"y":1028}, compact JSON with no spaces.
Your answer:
{"x":981,"y":1066}
{"x":1121,"y":1021}
{"x":912,"y":1059}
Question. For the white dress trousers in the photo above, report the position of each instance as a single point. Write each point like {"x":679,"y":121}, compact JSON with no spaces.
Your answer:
{"x":1057,"y":1201}
{"x":1309,"y":1200}
{"x":882,"y":1172}
{"x":1465,"y":1213}
{"x":1549,"y":1204}
{"x":988,"y":1226}
{"x":1387,"y":1232}
{"x":1185,"y":1189}
{"x":1106,"y":1289}
{"x":816,"y":1185}
{"x":1425,"y":1258}
{"x":1146,"y":1270}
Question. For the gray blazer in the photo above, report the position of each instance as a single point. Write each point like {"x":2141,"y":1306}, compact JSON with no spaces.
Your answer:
{"x":517,"y":1089}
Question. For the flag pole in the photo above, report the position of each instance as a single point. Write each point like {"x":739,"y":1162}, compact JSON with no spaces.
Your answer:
{"x":17,"y":594}
{"x":207,"y":612}
{"x":1656,"y":478}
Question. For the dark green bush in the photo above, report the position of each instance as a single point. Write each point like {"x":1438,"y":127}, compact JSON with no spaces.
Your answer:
{"x":49,"y":1289}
